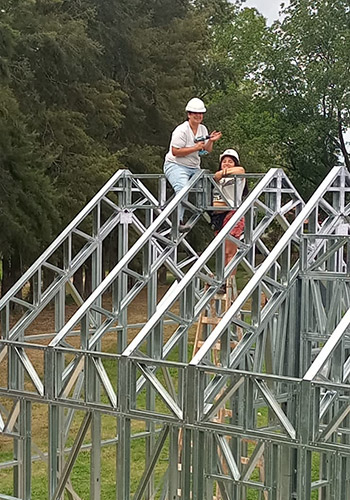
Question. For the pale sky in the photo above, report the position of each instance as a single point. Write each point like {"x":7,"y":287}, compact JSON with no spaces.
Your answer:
{"x":268,"y":8}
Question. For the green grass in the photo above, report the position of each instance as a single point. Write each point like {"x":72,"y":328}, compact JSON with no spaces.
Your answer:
{"x":81,"y":470}
{"x":80,"y":475}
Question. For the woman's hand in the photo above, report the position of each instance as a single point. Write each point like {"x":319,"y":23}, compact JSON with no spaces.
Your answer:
{"x":220,"y":174}
{"x":228,"y":171}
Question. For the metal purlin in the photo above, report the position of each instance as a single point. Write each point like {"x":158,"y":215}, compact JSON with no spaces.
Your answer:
{"x":285,"y":382}
{"x":124,"y":185}
{"x":324,"y":300}
{"x":270,"y":185}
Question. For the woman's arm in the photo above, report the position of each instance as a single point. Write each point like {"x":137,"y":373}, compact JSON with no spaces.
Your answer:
{"x":228,"y":171}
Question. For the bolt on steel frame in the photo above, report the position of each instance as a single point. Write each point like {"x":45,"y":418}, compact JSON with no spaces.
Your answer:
{"x":284,"y":368}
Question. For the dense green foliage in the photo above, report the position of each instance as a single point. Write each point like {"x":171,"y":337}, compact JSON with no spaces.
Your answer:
{"x":88,"y":86}
{"x":306,"y":76}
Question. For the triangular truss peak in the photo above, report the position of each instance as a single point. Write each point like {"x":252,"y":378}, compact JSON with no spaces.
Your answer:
{"x":259,"y":409}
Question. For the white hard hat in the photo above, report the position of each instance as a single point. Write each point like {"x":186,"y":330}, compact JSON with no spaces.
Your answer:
{"x":229,"y":152}
{"x":196,"y":105}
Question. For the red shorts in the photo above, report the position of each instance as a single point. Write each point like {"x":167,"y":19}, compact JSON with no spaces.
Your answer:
{"x":238,"y":229}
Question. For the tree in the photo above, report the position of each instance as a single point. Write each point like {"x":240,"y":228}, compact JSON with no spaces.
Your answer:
{"x":91,"y":82}
{"x":27,"y":209}
{"x":68,"y":102}
{"x":305,"y":77}
{"x":56,"y":110}
{"x":235,"y":46}
{"x":153,"y":50}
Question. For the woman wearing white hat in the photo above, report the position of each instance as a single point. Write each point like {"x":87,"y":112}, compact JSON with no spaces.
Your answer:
{"x":230,"y":194}
{"x":185,"y":151}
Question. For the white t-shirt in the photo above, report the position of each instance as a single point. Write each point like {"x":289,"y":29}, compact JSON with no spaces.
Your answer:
{"x":183,"y":137}
{"x":232,"y":188}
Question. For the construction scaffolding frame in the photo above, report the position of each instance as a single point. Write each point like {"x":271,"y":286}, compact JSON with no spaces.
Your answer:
{"x":282,"y":354}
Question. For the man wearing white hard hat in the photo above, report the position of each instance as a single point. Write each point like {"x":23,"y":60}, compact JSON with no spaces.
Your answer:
{"x":185,"y":150}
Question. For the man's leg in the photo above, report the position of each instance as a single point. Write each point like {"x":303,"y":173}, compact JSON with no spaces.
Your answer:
{"x":178,"y":176}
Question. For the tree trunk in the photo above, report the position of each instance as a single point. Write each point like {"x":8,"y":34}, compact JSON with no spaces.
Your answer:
{"x":11,"y":272}
{"x":162,"y":275}
{"x":6,"y":277}
{"x":87,"y":279}
{"x":342,"y":142}
{"x":78,"y":280}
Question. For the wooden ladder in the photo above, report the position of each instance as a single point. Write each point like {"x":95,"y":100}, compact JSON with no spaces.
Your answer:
{"x":208,"y":319}
{"x":211,"y":316}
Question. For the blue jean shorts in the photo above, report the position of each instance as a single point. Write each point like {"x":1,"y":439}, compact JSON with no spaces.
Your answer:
{"x":178,"y":175}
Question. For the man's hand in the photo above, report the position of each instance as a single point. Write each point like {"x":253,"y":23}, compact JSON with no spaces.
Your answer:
{"x":215,"y":136}
{"x":199,"y":145}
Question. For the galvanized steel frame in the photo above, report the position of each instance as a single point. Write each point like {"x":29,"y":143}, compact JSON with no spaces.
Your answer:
{"x":283,"y":378}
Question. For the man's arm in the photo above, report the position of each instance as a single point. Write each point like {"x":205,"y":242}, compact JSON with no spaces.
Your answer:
{"x":214,"y":136}
{"x":187,"y":151}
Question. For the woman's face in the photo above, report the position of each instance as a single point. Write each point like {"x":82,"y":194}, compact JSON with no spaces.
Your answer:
{"x":195,"y":118}
{"x":228,"y":162}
